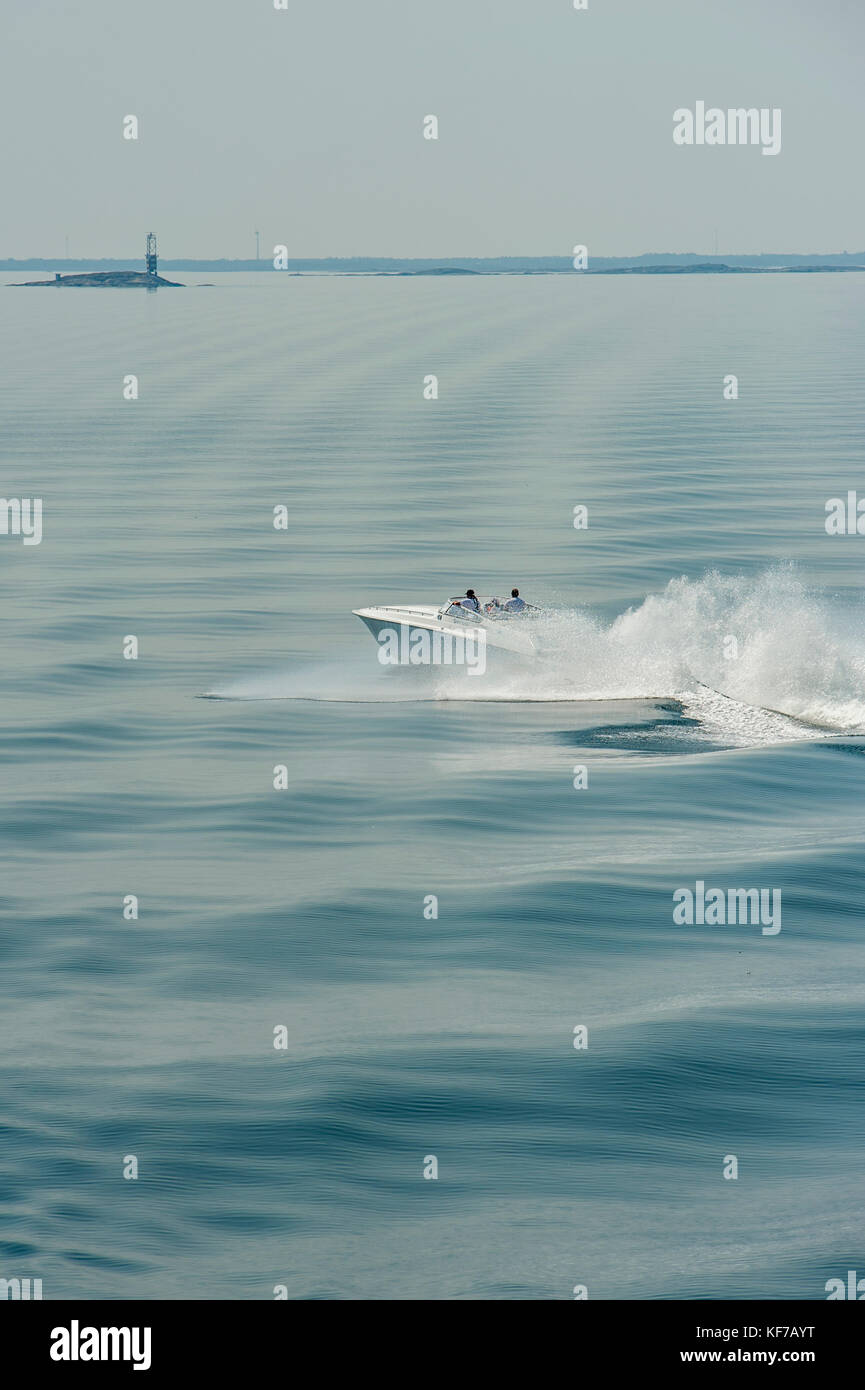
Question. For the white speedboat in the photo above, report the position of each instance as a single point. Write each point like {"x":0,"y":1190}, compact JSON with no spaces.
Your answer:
{"x":493,"y":626}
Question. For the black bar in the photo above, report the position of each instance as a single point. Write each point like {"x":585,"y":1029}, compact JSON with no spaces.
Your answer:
{"x":212,"y":1339}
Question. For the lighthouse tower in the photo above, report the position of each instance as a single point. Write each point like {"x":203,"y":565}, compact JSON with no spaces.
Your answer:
{"x":150,"y":254}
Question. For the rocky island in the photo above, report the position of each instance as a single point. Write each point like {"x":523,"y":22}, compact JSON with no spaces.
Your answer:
{"x":111,"y":279}
{"x":114,"y":279}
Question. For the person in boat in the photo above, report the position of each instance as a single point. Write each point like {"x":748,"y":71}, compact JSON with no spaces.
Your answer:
{"x":515,"y":604}
{"x":470,"y":602}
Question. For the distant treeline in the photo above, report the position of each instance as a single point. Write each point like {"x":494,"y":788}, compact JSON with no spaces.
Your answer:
{"x":478,"y":264}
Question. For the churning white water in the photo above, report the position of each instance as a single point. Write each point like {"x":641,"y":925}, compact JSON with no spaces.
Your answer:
{"x":739,"y":651}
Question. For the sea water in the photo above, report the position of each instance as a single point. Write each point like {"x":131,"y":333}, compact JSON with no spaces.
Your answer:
{"x":444,"y":928}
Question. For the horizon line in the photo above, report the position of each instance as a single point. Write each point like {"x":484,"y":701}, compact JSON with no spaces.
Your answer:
{"x":267,"y":262}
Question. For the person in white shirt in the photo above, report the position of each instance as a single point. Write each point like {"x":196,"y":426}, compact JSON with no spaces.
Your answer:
{"x":515,"y":604}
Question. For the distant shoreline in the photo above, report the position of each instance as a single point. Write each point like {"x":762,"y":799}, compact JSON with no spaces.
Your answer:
{"x":661,"y":263}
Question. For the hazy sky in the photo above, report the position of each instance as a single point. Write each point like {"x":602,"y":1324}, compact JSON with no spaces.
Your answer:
{"x":555,"y":126}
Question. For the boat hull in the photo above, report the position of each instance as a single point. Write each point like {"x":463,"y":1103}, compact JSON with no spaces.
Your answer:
{"x":502,"y":635}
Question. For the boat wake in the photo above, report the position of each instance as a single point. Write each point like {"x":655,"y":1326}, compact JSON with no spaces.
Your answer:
{"x":752,"y":658}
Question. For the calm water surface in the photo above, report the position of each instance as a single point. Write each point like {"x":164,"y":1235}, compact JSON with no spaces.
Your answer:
{"x":303,"y":909}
